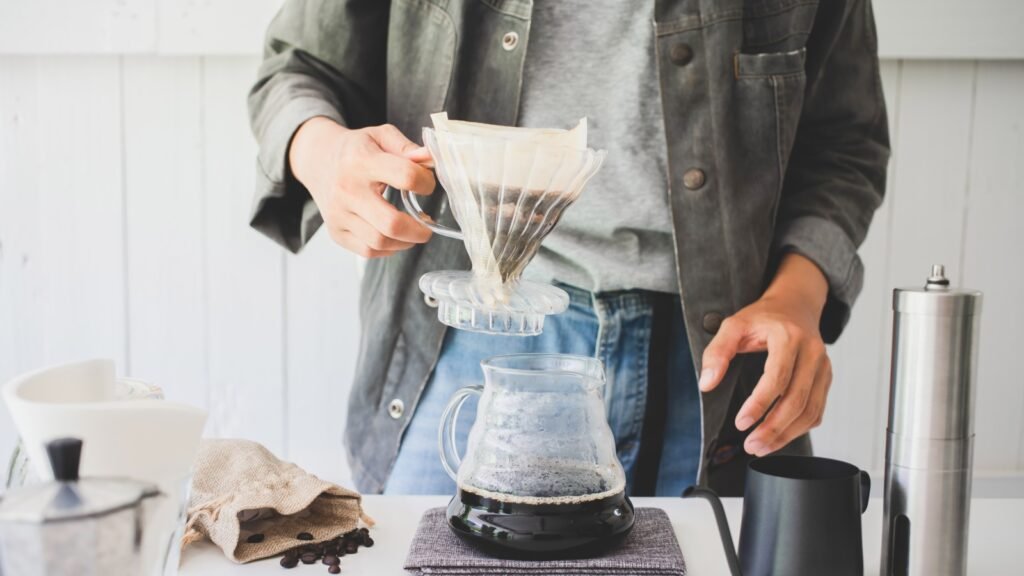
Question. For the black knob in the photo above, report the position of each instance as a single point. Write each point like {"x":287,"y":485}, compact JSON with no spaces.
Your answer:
{"x":65,"y":457}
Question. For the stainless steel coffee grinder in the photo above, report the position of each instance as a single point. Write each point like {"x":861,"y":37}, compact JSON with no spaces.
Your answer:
{"x":930,"y":442}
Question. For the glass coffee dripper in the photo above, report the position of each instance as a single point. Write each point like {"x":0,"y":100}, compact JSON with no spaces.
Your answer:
{"x":507,"y":188}
{"x":540,"y":478}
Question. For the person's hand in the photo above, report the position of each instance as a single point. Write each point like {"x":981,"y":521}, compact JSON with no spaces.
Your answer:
{"x":797,"y":373}
{"x":346,"y":172}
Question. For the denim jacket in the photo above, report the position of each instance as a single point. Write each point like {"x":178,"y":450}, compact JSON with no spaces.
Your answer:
{"x":777,"y":141}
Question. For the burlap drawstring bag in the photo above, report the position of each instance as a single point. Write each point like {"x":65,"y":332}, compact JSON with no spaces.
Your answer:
{"x":240,"y":488}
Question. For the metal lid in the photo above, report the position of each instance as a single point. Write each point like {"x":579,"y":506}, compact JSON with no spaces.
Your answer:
{"x":936,"y":298}
{"x":60,"y":501}
{"x":68,"y":497}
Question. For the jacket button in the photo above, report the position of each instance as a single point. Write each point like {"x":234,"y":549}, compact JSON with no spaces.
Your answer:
{"x":712,"y":322}
{"x":509,"y":41}
{"x":396,"y":408}
{"x":681,"y":54}
{"x":693,"y":178}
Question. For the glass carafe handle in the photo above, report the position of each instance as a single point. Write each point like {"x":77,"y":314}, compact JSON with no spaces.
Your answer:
{"x":414,"y":210}
{"x":446,"y":431}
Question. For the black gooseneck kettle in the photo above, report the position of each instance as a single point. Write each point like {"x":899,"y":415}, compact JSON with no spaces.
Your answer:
{"x":801,"y":517}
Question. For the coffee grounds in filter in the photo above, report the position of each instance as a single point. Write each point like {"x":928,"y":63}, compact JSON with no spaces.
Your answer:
{"x":517,"y":221}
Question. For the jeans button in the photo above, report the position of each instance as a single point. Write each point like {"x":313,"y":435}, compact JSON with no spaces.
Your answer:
{"x":711,"y":322}
{"x":396,"y":408}
{"x":681,"y":54}
{"x":693,"y":178}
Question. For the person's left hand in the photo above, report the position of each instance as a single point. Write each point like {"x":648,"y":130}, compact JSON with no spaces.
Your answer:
{"x":797,"y":374}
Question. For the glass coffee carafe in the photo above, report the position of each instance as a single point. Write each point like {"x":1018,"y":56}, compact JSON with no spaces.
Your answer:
{"x":540,"y":478}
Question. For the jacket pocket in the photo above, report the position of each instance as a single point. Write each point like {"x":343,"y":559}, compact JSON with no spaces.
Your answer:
{"x":777,"y":25}
{"x":769,"y":101}
{"x":769,"y":64}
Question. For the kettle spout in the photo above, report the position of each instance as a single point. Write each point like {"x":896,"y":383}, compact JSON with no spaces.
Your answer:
{"x":723,"y":525}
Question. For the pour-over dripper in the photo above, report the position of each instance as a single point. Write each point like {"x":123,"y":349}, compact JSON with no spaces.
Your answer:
{"x":507,"y":191}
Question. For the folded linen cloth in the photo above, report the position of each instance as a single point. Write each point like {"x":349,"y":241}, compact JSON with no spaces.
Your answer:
{"x":650,"y":549}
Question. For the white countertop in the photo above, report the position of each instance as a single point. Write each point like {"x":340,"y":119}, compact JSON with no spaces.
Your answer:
{"x":995,"y":545}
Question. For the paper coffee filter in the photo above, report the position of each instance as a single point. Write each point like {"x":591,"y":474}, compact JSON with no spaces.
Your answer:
{"x":507,"y":186}
{"x":532,"y":158}
{"x":575,"y":137}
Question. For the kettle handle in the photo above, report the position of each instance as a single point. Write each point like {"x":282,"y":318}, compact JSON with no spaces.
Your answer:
{"x":446,"y":431}
{"x":412,"y":206}
{"x":865,"y":491}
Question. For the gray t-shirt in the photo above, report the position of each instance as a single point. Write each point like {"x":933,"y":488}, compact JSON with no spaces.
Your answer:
{"x":596,"y":59}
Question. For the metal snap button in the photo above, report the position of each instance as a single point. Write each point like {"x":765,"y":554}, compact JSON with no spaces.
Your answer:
{"x":711,"y":322}
{"x":430,"y":300}
{"x":681,"y":54}
{"x":510,"y":40}
{"x":396,"y":408}
{"x":693,"y":178}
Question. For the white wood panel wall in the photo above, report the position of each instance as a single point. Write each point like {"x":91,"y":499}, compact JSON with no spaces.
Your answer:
{"x":918,"y":29}
{"x":125,"y":189}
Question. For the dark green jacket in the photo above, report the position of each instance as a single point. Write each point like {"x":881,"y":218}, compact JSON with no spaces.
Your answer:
{"x":777,"y":141}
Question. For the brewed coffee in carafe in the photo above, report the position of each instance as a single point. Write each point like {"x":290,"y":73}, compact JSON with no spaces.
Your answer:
{"x":541,"y":478}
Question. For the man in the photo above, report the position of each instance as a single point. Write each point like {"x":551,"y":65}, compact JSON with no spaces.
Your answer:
{"x":747,"y":143}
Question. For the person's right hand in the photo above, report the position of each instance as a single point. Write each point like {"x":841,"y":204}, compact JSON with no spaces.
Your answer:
{"x":346,"y":172}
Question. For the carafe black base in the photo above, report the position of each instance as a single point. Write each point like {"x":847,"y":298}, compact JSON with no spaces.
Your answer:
{"x":540,"y":532}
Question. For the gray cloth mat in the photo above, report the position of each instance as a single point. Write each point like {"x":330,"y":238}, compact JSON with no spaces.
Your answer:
{"x":650,"y":549}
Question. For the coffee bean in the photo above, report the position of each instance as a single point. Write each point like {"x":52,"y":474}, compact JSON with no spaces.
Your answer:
{"x":308,"y":557}
{"x":289,"y":561}
{"x":331,"y":559}
{"x":334,"y":569}
{"x":351,"y":547}
{"x":304,"y":536}
{"x":254,"y":538}
{"x":368,"y":542}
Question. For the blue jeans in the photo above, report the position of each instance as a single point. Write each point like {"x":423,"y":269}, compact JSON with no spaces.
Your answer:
{"x":616,"y":327}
